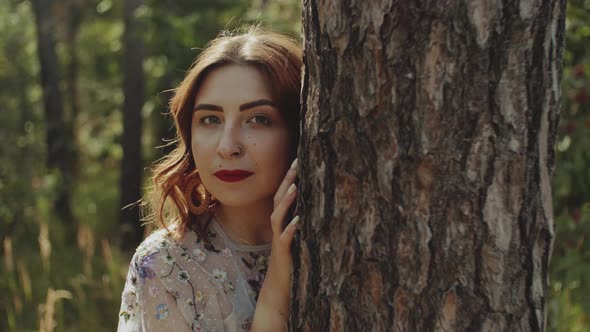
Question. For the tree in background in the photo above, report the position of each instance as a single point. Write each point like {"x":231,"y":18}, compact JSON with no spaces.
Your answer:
{"x":427,"y":154}
{"x":133,"y":91}
{"x":60,"y":143}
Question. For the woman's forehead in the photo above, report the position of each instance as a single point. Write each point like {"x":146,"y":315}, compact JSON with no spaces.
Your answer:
{"x":233,"y":83}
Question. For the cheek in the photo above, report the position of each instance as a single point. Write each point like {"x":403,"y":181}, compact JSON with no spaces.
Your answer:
{"x":272,"y":153}
{"x":270,"y":145}
{"x":194,"y":146}
{"x":198,"y":146}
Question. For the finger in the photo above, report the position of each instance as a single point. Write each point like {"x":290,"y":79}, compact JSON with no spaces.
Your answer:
{"x":280,"y":211}
{"x":289,"y":178}
{"x":289,"y":232}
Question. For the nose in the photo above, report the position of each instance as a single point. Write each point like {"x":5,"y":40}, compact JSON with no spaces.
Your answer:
{"x":230,"y":145}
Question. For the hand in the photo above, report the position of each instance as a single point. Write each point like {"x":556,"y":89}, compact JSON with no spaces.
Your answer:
{"x":272,"y":307}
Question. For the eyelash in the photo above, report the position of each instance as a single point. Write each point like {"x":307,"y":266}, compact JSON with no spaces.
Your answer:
{"x":266,"y":123}
{"x":204,"y":119}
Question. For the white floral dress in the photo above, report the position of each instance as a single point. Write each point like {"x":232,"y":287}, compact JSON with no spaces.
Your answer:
{"x":189,"y":285}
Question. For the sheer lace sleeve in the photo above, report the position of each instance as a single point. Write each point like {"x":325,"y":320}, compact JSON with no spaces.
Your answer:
{"x":147,"y":305}
{"x":167,"y":290}
{"x":129,"y":319}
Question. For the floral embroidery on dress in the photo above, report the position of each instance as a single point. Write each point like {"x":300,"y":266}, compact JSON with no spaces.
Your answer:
{"x":230,"y":285}
{"x":255,"y":283}
{"x":196,"y":274}
{"x":183,"y":277}
{"x":219,"y":275}
{"x":199,"y":255}
{"x":207,"y":244}
{"x":163,"y":244}
{"x":126,"y":315}
{"x":161,"y":311}
{"x":199,"y":296}
{"x":196,"y":326}
{"x":261,"y":262}
{"x":226,"y":252}
{"x":175,"y":294}
{"x":154,"y":291}
{"x":256,"y":262}
{"x":145,"y":272}
{"x":210,"y":247}
{"x":168,"y":259}
{"x":186,"y":256}
{"x":247,"y":324}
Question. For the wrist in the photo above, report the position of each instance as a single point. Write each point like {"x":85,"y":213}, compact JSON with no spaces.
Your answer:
{"x":273,"y":299}
{"x":268,"y":318}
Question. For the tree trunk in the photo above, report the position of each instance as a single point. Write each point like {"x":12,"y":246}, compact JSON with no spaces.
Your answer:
{"x":60,"y":145}
{"x":427,"y":154}
{"x":74,"y":21}
{"x":133,"y":89}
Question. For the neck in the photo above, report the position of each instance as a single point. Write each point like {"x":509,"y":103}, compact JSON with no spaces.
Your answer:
{"x":247,"y":224}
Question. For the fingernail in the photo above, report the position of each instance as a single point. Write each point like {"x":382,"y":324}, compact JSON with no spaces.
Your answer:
{"x":291,"y":188}
{"x":295,"y":221}
{"x":294,"y":164}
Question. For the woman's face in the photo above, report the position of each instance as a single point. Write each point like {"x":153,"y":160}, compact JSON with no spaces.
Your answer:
{"x":237,"y":129}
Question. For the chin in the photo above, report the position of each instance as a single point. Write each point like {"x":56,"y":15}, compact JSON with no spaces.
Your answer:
{"x":241,"y":200}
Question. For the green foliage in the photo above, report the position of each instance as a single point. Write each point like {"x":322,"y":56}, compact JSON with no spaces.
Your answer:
{"x":44,"y":279}
{"x":569,"y":304}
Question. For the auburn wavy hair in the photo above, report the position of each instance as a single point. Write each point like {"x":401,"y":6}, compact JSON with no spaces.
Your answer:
{"x":278,"y":57}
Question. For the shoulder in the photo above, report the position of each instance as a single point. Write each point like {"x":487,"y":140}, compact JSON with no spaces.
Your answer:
{"x":155,"y":244}
{"x":165,"y":247}
{"x":156,"y":241}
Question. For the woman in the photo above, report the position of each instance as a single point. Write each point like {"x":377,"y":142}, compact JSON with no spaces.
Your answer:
{"x":223,"y":195}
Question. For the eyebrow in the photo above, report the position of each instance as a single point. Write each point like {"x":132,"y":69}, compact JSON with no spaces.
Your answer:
{"x":243,"y":107}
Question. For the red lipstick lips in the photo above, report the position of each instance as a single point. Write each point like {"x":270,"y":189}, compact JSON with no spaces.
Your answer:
{"x":233,"y":175}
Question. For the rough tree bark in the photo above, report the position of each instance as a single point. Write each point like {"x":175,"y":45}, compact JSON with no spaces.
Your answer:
{"x":133,"y":89}
{"x":60,"y":143}
{"x":427,"y":153}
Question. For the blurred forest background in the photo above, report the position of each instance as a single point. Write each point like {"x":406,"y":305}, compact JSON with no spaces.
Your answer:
{"x":83,"y":97}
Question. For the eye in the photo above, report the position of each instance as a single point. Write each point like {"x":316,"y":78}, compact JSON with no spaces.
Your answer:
{"x":261,"y":120}
{"x":210,"y":120}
